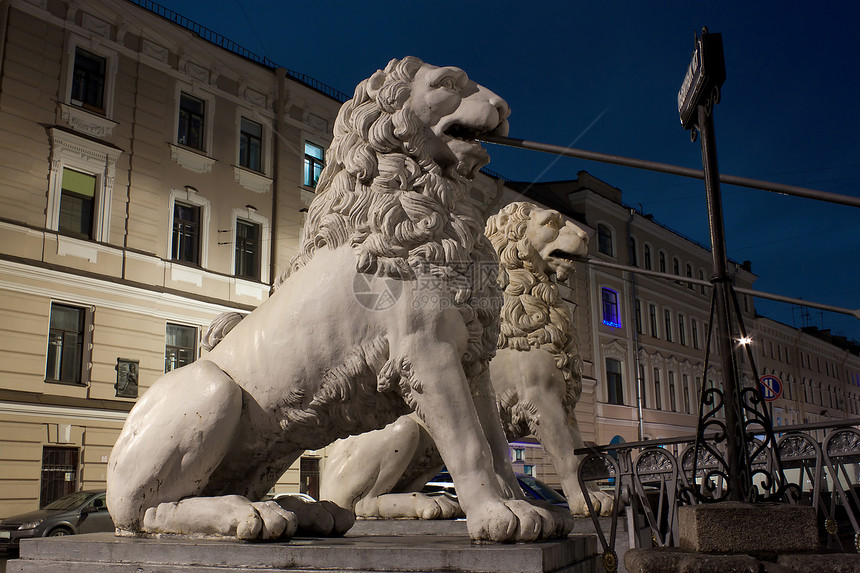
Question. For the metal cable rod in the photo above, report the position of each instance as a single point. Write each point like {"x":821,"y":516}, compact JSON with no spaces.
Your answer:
{"x":678,"y":278}
{"x":674,"y":170}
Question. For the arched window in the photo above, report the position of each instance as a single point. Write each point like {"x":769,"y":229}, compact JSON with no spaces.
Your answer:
{"x":614,"y":382}
{"x":662,"y":260}
{"x":689,"y":275}
{"x":701,"y":278}
{"x":647,"y":257}
{"x":604,"y":240}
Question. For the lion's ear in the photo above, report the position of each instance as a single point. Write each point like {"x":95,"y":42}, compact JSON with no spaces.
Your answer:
{"x":375,"y":83}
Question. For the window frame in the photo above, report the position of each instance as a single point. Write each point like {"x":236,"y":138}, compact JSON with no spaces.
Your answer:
{"x":312,"y":161}
{"x":111,"y":58}
{"x":610,"y":310}
{"x":633,"y":252}
{"x":84,"y":368}
{"x":614,"y":382}
{"x":667,"y":322}
{"x":606,"y":238}
{"x":648,"y":262}
{"x":653,"y":321}
{"x":251,"y":216}
{"x":195,"y":351}
{"x":658,"y":397}
{"x":264,"y":163}
{"x":71,"y":151}
{"x":682,"y":330}
{"x":189,"y":196}
{"x":208,"y":99}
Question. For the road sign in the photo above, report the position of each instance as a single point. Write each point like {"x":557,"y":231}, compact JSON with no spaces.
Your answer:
{"x":707,"y":70}
{"x":770,"y":387}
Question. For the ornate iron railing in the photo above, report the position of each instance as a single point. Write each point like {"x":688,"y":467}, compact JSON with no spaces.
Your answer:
{"x":652,"y":478}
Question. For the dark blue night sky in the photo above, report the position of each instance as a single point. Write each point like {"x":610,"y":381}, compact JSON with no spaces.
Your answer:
{"x":604,"y":76}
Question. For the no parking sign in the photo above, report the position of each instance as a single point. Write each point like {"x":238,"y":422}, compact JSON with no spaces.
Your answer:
{"x":770,"y":387}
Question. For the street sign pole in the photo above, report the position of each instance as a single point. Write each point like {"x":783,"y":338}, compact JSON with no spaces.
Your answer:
{"x":743,"y":408}
{"x":736,"y":453}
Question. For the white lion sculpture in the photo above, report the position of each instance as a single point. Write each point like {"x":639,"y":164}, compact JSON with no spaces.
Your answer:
{"x":536,"y":374}
{"x":313,"y":364}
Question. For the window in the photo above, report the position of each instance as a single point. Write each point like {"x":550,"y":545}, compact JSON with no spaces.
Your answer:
{"x":88,"y":81}
{"x":641,"y":383}
{"x":682,"y":330}
{"x":66,"y":344}
{"x":191,"y":121}
{"x":309,"y":476}
{"x":667,"y":317}
{"x":672,"y":402}
{"x":662,"y":258}
{"x":676,"y":266}
{"x":647,"y":257}
{"x":685,"y":381}
{"x":314,"y":162}
{"x":77,"y":203}
{"x":634,"y":260}
{"x":80,"y":187}
{"x":251,"y":145}
{"x":614,"y":382}
{"x":694,"y":331}
{"x":610,"y":308}
{"x":248,"y":250}
{"x":518,"y":454}
{"x":701,"y":278}
{"x":186,"y":233}
{"x":604,"y":240}
{"x":652,"y":315}
{"x":658,"y":400}
{"x":180,"y":347}
{"x":689,"y":275}
{"x":59,"y":473}
{"x":529,"y":470}
{"x":638,"y":316}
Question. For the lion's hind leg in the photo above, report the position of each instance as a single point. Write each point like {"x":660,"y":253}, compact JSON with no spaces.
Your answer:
{"x":175,"y":437}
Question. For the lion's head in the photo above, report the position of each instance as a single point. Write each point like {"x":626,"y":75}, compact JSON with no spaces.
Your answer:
{"x":394,"y":184}
{"x":536,"y":247}
{"x":394,"y":187}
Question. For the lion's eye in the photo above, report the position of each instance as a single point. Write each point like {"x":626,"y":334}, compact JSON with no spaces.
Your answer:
{"x":552,"y":223}
{"x":447,"y":83}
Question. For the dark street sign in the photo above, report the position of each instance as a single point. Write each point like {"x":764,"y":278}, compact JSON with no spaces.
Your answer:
{"x":707,"y":70}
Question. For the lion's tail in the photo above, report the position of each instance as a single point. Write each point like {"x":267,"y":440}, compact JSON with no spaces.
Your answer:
{"x":219,"y":328}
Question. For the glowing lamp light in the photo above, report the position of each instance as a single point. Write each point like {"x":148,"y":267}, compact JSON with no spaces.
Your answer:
{"x":744,"y":340}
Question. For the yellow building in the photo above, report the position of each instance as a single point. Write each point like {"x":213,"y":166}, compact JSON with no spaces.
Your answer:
{"x":150,"y":181}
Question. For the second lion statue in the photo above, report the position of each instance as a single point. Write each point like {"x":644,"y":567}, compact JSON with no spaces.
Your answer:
{"x":536,"y":374}
{"x":315,"y":362}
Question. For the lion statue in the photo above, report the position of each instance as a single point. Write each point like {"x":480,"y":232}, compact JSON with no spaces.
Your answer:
{"x":536,"y":374}
{"x":315,"y":362}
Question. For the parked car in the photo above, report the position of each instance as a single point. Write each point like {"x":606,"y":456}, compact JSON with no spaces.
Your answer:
{"x":78,"y":512}
{"x":532,"y":487}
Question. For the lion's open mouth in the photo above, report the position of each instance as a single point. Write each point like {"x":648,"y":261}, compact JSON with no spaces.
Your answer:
{"x":559,"y":254}
{"x":458,"y":131}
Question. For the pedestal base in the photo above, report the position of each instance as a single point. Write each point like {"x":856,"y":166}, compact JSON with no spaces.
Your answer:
{"x":104,"y":553}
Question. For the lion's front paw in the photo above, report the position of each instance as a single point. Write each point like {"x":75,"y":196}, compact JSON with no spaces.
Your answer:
{"x":514,"y":520}
{"x":323,"y":518}
{"x":602,"y":503}
{"x":226,"y":516}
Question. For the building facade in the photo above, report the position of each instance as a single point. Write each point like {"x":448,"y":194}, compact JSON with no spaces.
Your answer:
{"x":154,"y":175}
{"x":150,"y":181}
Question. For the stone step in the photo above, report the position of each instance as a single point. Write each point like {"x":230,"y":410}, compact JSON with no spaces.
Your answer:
{"x":104,"y":553}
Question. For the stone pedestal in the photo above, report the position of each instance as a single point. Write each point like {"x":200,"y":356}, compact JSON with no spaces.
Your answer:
{"x":104,"y":553}
{"x":743,"y":538}
{"x":762,"y":528}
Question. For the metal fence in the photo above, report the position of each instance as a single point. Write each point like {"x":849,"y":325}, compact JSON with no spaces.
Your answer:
{"x":651,"y":479}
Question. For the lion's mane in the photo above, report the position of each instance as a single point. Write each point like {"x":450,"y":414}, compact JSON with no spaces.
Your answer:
{"x":383,"y":194}
{"x":533,"y":314}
